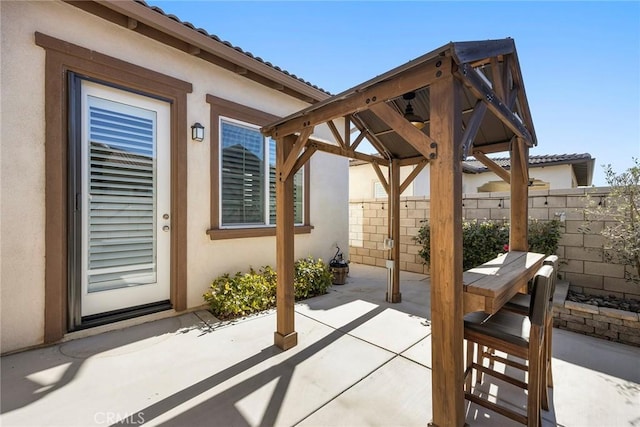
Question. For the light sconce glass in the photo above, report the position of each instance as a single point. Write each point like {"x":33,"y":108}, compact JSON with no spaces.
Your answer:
{"x":197,"y":132}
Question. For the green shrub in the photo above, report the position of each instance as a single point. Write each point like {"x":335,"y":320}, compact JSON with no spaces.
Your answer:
{"x":243,"y":294}
{"x":544,"y":236}
{"x":484,"y":240}
{"x":312,"y":278}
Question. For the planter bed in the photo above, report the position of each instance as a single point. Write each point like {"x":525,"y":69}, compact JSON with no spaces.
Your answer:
{"x":602,"y":322}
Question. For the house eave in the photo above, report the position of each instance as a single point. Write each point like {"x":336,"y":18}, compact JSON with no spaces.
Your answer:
{"x":201,"y":45}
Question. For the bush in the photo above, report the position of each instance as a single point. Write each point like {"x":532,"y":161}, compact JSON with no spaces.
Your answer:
{"x":484,"y":240}
{"x":312,"y":278}
{"x":243,"y":294}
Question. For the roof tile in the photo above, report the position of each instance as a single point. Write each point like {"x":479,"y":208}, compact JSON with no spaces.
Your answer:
{"x":226,"y":43}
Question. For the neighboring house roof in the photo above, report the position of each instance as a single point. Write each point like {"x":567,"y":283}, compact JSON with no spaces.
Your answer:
{"x":153,"y":22}
{"x":582,"y":164}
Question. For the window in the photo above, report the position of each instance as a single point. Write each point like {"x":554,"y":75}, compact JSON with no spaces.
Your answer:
{"x":243,"y":175}
{"x":248,"y":172}
{"x":378,"y":190}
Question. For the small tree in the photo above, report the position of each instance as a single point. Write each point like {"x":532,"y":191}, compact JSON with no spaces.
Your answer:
{"x":621,"y":214}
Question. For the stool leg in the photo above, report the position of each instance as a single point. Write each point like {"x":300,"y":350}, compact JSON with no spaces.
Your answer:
{"x":469,"y":366}
{"x":549,"y":340}
{"x":533,"y":388}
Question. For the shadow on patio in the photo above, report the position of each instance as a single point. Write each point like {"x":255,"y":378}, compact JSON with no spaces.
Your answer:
{"x":360,"y":361}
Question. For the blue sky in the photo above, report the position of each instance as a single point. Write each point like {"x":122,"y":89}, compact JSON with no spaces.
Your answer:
{"x":580,"y":60}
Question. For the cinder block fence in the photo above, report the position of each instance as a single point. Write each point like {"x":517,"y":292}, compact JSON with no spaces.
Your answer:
{"x":580,"y":247}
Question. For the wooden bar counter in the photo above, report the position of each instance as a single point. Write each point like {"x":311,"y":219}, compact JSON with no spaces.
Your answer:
{"x":489,"y":286}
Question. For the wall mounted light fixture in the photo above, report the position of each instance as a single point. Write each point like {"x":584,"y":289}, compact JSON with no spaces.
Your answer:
{"x":197,"y":132}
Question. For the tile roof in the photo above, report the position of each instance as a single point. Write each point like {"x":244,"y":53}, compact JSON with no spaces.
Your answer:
{"x":226,"y":43}
{"x":472,"y":165}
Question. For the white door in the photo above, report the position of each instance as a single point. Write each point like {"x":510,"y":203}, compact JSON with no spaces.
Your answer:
{"x":125,"y":199}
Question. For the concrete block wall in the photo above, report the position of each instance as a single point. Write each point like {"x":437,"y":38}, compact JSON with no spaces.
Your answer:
{"x":580,"y":248}
{"x":607,"y":323}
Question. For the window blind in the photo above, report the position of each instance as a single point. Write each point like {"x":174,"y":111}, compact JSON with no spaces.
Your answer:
{"x":243,"y":175}
{"x":121,"y":169}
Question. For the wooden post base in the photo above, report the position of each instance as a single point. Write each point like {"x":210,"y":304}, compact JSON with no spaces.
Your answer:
{"x":394,"y":297}
{"x":285,"y":342}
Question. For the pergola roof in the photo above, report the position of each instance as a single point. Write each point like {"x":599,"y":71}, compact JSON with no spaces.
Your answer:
{"x":488,"y":69}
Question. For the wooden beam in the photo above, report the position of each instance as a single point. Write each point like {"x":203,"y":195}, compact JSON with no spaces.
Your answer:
{"x":334,"y":149}
{"x":481,"y":90}
{"x":479,"y":50}
{"x":414,"y":78}
{"x":415,"y":137}
{"x":194,"y":50}
{"x":493,"y":166}
{"x":303,"y":159}
{"x":347,"y":131}
{"x":336,"y":134}
{"x":358,"y":140}
{"x":242,"y":71}
{"x":473,"y":125}
{"x":507,"y":80}
{"x":447,"y":328}
{"x":379,"y":146}
{"x":519,"y":197}
{"x":381,"y":177}
{"x":518,"y":83}
{"x":375,"y":142}
{"x":410,"y":161}
{"x":301,"y":141}
{"x":523,"y":152}
{"x":394,"y":222}
{"x":285,"y":335}
{"x":414,"y":173}
{"x":497,"y":77}
{"x":497,"y":147}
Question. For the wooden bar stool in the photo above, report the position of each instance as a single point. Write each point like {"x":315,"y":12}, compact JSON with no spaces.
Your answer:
{"x":521,"y":303}
{"x":519,"y":336}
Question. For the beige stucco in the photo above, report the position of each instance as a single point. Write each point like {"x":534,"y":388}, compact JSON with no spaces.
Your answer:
{"x":22,"y":155}
{"x":362,"y":179}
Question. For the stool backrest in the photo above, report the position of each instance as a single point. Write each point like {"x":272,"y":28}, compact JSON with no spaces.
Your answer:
{"x":552,"y":260}
{"x":540,"y":295}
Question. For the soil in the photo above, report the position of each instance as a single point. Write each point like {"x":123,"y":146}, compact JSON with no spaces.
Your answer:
{"x":610,"y":301}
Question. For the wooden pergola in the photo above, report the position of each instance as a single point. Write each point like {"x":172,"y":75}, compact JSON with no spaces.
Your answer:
{"x":473,"y":99}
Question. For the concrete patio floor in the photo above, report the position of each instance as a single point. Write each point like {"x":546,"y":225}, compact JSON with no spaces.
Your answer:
{"x":359,"y":362}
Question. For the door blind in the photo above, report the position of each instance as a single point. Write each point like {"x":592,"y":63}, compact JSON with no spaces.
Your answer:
{"x":121,"y":220}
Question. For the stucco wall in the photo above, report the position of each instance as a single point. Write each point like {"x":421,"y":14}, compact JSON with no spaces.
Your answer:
{"x":582,"y":261}
{"x":22,"y":156}
{"x":362,"y":177}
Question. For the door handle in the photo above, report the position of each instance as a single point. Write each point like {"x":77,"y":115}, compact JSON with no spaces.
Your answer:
{"x":165,"y":228}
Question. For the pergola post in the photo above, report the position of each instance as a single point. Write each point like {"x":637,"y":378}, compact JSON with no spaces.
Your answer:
{"x":518,"y":237}
{"x":447,"y":327}
{"x":394,"y":228}
{"x":285,"y":336}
